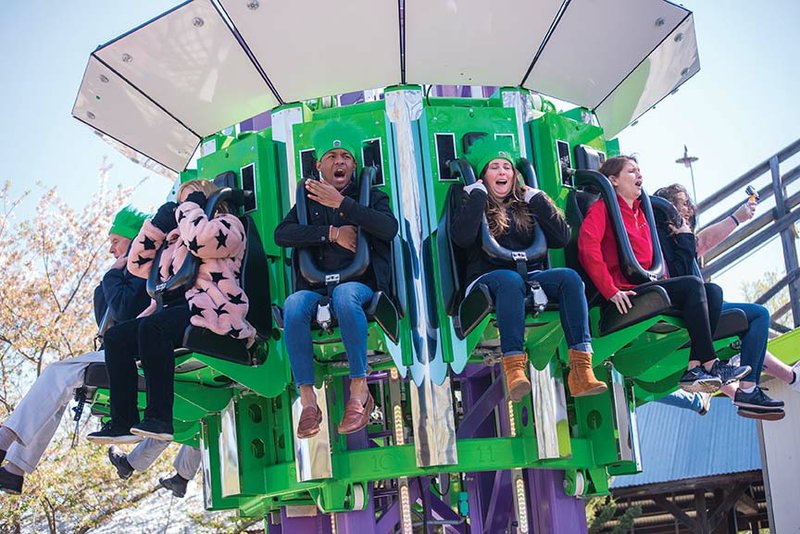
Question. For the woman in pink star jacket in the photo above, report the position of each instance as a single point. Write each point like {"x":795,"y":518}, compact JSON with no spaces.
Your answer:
{"x":216,"y":301}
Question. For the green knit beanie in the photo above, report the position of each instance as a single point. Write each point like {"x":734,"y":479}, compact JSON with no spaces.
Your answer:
{"x":487,"y":148}
{"x":336,"y":134}
{"x":127,"y":222}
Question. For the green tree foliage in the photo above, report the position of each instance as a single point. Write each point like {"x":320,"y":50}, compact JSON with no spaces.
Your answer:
{"x":601,"y":516}
{"x":778,"y":304}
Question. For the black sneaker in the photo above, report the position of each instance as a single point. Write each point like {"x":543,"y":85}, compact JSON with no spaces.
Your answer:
{"x":729,"y":373}
{"x":120,"y":461}
{"x":110,"y":434}
{"x":176,"y":484}
{"x":697,"y":380}
{"x":153,"y":428}
{"x":10,"y":483}
{"x":756,"y":399}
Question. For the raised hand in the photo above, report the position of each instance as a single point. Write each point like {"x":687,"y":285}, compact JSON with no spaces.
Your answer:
{"x":324,"y":193}
{"x":745,"y":212}
{"x":164,"y":219}
{"x":477,"y":185}
{"x":120,"y":263}
{"x":530,"y":192}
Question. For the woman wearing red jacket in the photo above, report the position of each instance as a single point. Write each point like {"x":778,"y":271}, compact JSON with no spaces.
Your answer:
{"x":597,"y":251}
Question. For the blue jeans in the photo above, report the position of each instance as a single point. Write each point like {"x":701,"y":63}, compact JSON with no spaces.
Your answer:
{"x":683,"y":399}
{"x":560,"y":285}
{"x":347,"y":305}
{"x":754,"y":341}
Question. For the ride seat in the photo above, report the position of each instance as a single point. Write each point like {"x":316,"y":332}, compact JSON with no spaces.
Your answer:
{"x":470,"y":310}
{"x":648,"y":302}
{"x":201,"y":340}
{"x":382,"y":308}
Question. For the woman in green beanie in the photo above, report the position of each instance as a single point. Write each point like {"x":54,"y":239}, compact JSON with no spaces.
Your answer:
{"x":513,"y":210}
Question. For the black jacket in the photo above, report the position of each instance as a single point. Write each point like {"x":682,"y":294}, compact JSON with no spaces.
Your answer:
{"x":376,"y":220}
{"x":679,"y":250}
{"x":122,"y":293}
{"x":465,"y":232}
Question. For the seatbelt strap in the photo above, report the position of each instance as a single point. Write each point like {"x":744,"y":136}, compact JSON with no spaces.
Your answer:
{"x":521,"y":260}
{"x":80,"y":396}
{"x":324,"y":315}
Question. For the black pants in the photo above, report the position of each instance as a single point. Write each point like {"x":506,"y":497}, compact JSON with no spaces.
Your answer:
{"x":151,"y":339}
{"x":700,"y":305}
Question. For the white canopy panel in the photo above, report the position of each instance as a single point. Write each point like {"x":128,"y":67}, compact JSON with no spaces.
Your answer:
{"x":313,"y":48}
{"x":672,"y":63}
{"x":114,"y":107}
{"x":597,"y":44}
{"x":190,"y":63}
{"x":208,"y":64}
{"x":474,"y":42}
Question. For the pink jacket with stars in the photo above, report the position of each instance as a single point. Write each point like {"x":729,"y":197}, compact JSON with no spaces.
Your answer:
{"x":216,"y":300}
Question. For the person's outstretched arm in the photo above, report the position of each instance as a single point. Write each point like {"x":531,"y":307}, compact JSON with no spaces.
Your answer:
{"x":711,"y":236}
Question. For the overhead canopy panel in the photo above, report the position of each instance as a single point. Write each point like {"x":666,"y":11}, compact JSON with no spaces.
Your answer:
{"x":672,"y":63}
{"x":209,"y":64}
{"x":313,"y":48}
{"x":474,"y":42}
{"x":186,"y":64}
{"x":111,"y":105}
{"x":599,"y":52}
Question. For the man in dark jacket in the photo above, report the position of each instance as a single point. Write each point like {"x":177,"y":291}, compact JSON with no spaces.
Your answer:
{"x":28,"y":430}
{"x":334,"y":217}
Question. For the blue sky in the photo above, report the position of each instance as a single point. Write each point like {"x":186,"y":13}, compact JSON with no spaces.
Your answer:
{"x":736,"y":112}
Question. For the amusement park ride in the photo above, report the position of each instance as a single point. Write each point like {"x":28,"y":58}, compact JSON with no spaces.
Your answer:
{"x":443,"y":442}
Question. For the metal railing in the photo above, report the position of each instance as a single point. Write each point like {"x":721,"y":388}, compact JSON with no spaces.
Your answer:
{"x":778,"y":221}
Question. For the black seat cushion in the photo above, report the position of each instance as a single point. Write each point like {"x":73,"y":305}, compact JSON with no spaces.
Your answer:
{"x":731,"y":323}
{"x":255,"y":280}
{"x":478,"y":304}
{"x":97,"y":377}
{"x":382,"y":310}
{"x":647,"y":303}
{"x":205,"y":341}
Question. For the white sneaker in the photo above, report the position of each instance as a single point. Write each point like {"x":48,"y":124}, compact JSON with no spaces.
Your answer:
{"x":796,"y":384}
{"x":706,"y":399}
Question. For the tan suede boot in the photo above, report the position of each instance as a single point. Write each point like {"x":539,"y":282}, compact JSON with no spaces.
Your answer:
{"x":514,"y":371}
{"x":581,"y":380}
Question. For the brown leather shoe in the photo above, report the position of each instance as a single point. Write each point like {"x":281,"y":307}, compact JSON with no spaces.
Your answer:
{"x":356,"y":415}
{"x":514,"y":371}
{"x":581,"y":380}
{"x":310,"y":419}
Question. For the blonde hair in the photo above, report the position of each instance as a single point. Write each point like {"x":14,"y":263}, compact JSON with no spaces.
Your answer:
{"x":207,"y":187}
{"x":497,"y":212}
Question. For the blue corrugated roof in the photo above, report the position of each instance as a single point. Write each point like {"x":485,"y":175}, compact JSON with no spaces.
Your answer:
{"x":677,"y":444}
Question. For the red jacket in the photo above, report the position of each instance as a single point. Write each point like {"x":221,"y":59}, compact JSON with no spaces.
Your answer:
{"x":597,"y":248}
